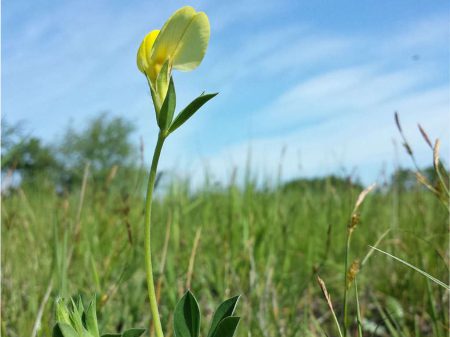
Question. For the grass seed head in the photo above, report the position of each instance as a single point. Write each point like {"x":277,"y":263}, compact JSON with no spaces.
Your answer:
{"x":436,"y":148}
{"x":354,"y":222}
{"x":425,"y":136}
{"x":352,"y":272}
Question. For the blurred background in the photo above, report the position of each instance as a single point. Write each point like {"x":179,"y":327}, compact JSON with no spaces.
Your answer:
{"x":258,"y":189}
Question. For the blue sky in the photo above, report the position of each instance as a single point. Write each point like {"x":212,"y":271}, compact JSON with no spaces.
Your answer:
{"x":312,"y":85}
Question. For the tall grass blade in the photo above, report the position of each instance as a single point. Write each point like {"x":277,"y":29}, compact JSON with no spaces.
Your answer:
{"x":432,"y":278}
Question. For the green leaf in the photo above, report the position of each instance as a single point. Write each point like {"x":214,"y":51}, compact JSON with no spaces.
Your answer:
{"x":165,"y":116}
{"x":162,"y":84}
{"x":188,"y":111}
{"x":155,"y":100}
{"x":224,"y":310}
{"x":186,"y":318}
{"x":112,"y":335}
{"x":227,"y":327}
{"x":91,"y":319}
{"x":57,"y":331}
{"x":432,"y":278}
{"x":80,"y":306}
{"x":133,"y":332}
{"x":62,"y":313}
{"x":64,"y":330}
{"x":76,"y":316}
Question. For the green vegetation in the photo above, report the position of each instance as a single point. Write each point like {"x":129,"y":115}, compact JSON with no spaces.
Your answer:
{"x":265,"y":242}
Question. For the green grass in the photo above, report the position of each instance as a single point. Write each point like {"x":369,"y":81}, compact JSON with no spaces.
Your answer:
{"x":266,"y":243}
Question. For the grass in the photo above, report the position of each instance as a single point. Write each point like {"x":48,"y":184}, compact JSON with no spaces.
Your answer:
{"x":266,"y":243}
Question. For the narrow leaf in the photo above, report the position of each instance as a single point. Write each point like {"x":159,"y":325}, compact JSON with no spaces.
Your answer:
{"x":188,"y":111}
{"x":224,"y":310}
{"x":76,"y":314}
{"x":227,"y":327}
{"x":64,"y":330}
{"x":165,"y":116}
{"x":186,"y":319}
{"x":112,"y":335}
{"x":62,"y":313}
{"x":80,"y":306}
{"x":91,"y":319}
{"x":133,"y":332}
{"x":432,"y":278}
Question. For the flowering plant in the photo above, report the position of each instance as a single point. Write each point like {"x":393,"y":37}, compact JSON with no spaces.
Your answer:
{"x":180,"y":44}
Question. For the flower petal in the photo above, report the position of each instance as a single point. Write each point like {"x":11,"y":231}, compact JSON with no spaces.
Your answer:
{"x":144,"y":51}
{"x":171,"y":34}
{"x":192,"y":47}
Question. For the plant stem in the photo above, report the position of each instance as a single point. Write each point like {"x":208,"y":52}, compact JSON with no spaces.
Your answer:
{"x":148,"y":251}
{"x":358,"y":310}
{"x":347,"y":251}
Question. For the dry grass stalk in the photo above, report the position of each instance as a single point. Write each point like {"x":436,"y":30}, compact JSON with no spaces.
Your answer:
{"x":362,"y":196}
{"x":192,"y":258}
{"x":330,"y":304}
{"x":112,"y":174}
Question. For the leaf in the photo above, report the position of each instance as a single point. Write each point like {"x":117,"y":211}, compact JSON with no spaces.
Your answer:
{"x":168,"y":107}
{"x":432,"y":278}
{"x":112,"y":335}
{"x":155,"y":100}
{"x":80,"y":306}
{"x":135,"y":332}
{"x":64,"y":330}
{"x":227,"y":327}
{"x":224,"y":310}
{"x":186,"y":318}
{"x":162,"y":83}
{"x":76,"y":316}
{"x":188,"y":111}
{"x":62,"y":313}
{"x":91,"y":319}
{"x":57,"y":331}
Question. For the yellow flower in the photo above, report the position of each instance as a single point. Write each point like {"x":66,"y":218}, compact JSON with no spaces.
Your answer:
{"x":180,"y":44}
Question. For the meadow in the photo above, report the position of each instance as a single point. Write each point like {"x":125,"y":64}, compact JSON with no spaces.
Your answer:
{"x":324,"y":256}
{"x":265,"y":240}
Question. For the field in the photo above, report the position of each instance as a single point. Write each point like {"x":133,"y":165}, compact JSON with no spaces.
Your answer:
{"x":99,"y":238}
{"x":266,"y":241}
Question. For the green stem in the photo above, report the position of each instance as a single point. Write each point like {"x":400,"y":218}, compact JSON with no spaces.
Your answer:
{"x":347,"y":251}
{"x":148,"y":251}
{"x":358,"y":310}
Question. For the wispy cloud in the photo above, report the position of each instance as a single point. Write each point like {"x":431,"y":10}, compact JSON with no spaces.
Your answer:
{"x":342,"y":116}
